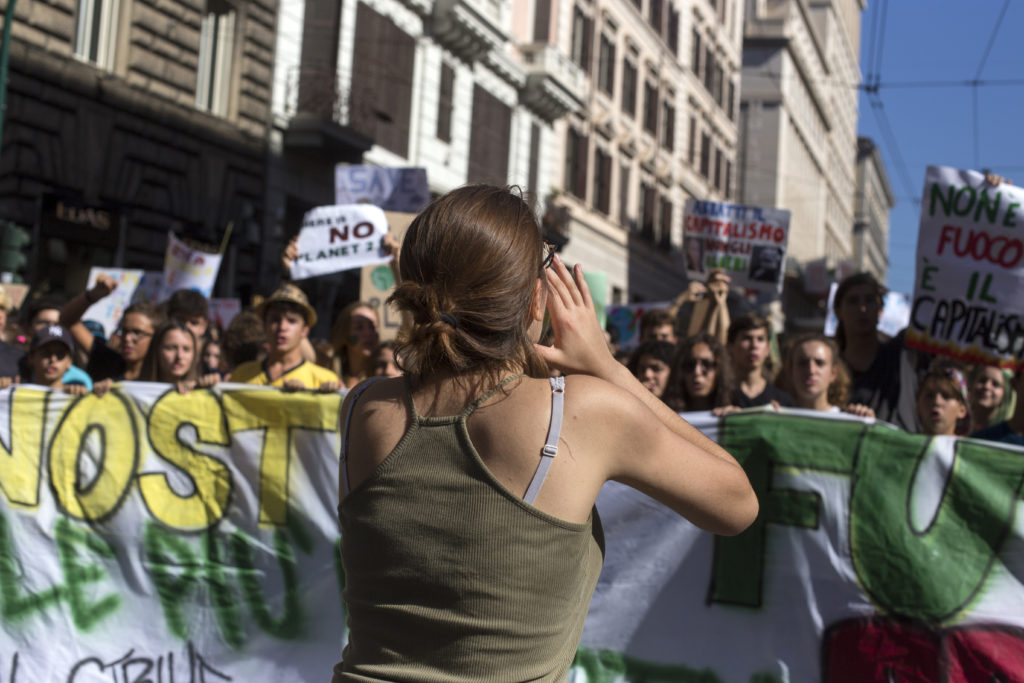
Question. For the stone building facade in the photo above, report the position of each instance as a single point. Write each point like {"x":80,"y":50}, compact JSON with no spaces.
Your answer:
{"x":872,"y":205}
{"x":798,"y":121}
{"x":467,"y":89}
{"x":126,"y":119}
{"x":659,"y":127}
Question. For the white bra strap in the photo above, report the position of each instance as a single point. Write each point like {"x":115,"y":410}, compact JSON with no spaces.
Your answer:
{"x":550,"y":449}
{"x":357,"y":392}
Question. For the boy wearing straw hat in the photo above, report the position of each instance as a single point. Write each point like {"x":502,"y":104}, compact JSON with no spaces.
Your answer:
{"x":287,"y":317}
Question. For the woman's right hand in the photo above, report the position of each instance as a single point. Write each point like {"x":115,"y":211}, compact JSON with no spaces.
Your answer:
{"x":579,"y":346}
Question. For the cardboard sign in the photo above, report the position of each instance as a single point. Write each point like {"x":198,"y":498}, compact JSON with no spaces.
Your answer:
{"x":747,"y":242}
{"x":392,"y":189}
{"x":376,"y":283}
{"x":969,"y":284}
{"x":337,"y":238}
{"x":186,"y":267}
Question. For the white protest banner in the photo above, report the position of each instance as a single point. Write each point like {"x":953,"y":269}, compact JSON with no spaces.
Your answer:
{"x":392,"y":189}
{"x":153,"y":536}
{"x":969,"y":284}
{"x":157,"y":536}
{"x":878,"y":556}
{"x":337,"y":238}
{"x":186,"y":267}
{"x":108,"y":310}
{"x":747,"y":242}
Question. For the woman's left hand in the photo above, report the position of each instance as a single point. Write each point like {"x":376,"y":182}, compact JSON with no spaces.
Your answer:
{"x":579,"y":345}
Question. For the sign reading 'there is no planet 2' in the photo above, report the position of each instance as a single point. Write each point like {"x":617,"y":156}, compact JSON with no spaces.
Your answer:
{"x":969,"y":286}
{"x":340,"y":237}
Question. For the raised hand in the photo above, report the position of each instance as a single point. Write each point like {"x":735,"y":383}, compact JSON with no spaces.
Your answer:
{"x":579,"y":343}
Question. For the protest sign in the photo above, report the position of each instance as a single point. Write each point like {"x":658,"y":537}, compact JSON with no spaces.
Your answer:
{"x":150,"y":287}
{"x":337,"y":238}
{"x":747,"y":242}
{"x":187,"y":267}
{"x":376,"y":284}
{"x":150,"y":535}
{"x":16,"y":291}
{"x":597,"y":283}
{"x":403,"y":190}
{"x":108,"y":310}
{"x":969,"y":283}
{"x":625,"y":318}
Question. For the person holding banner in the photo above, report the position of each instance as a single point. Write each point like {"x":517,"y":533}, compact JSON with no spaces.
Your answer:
{"x":172,"y":358}
{"x":287,"y":317}
{"x":991,"y":397}
{"x":814,"y":373}
{"x":701,"y":376}
{"x":883,"y":374}
{"x":1009,"y":431}
{"x":469,"y":540}
{"x":354,"y":337}
{"x":942,"y":401}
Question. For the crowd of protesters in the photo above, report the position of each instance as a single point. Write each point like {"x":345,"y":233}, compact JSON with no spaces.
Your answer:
{"x":858,"y":370}
{"x":698,"y":362}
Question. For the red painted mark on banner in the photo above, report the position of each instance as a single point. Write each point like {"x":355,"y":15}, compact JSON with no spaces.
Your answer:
{"x":880,"y":650}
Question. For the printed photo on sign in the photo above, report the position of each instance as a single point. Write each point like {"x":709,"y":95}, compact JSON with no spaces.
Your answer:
{"x":748,"y":243}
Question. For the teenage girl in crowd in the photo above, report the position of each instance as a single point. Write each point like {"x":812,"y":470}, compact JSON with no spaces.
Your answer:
{"x":469,"y":541}
{"x":651,"y":363}
{"x":816,"y":377}
{"x":942,"y":401}
{"x":172,"y":358}
{"x":701,"y":377}
{"x":354,"y":338}
{"x":990,"y":395}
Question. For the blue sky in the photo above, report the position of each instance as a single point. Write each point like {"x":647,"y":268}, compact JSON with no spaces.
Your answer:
{"x":940,"y":40}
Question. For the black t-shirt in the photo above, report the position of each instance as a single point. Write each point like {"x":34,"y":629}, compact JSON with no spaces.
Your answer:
{"x":13,"y":361}
{"x":889,"y":386}
{"x":104,"y":362}
{"x":770,"y":393}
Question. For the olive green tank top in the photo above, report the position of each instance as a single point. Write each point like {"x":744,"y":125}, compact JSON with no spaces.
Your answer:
{"x":450,"y":577}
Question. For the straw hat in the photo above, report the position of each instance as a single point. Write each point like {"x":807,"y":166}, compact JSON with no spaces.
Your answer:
{"x":289,"y":293}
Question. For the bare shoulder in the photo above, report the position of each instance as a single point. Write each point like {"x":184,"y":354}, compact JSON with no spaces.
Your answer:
{"x":375,"y":399}
{"x":600,"y":399}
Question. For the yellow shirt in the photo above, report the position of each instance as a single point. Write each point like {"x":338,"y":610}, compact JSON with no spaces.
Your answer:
{"x":310,"y":374}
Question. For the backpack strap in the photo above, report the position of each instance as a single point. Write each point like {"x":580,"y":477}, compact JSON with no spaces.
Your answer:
{"x":550,"y":450}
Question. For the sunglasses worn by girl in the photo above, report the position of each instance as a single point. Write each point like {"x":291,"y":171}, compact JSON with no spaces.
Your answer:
{"x":705,"y":365}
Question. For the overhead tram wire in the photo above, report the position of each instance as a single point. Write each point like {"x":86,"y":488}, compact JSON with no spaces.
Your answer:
{"x":878,"y":107}
{"x":977,"y":75}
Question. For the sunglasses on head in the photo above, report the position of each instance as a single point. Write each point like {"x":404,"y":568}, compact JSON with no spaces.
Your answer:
{"x":549,"y":255}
